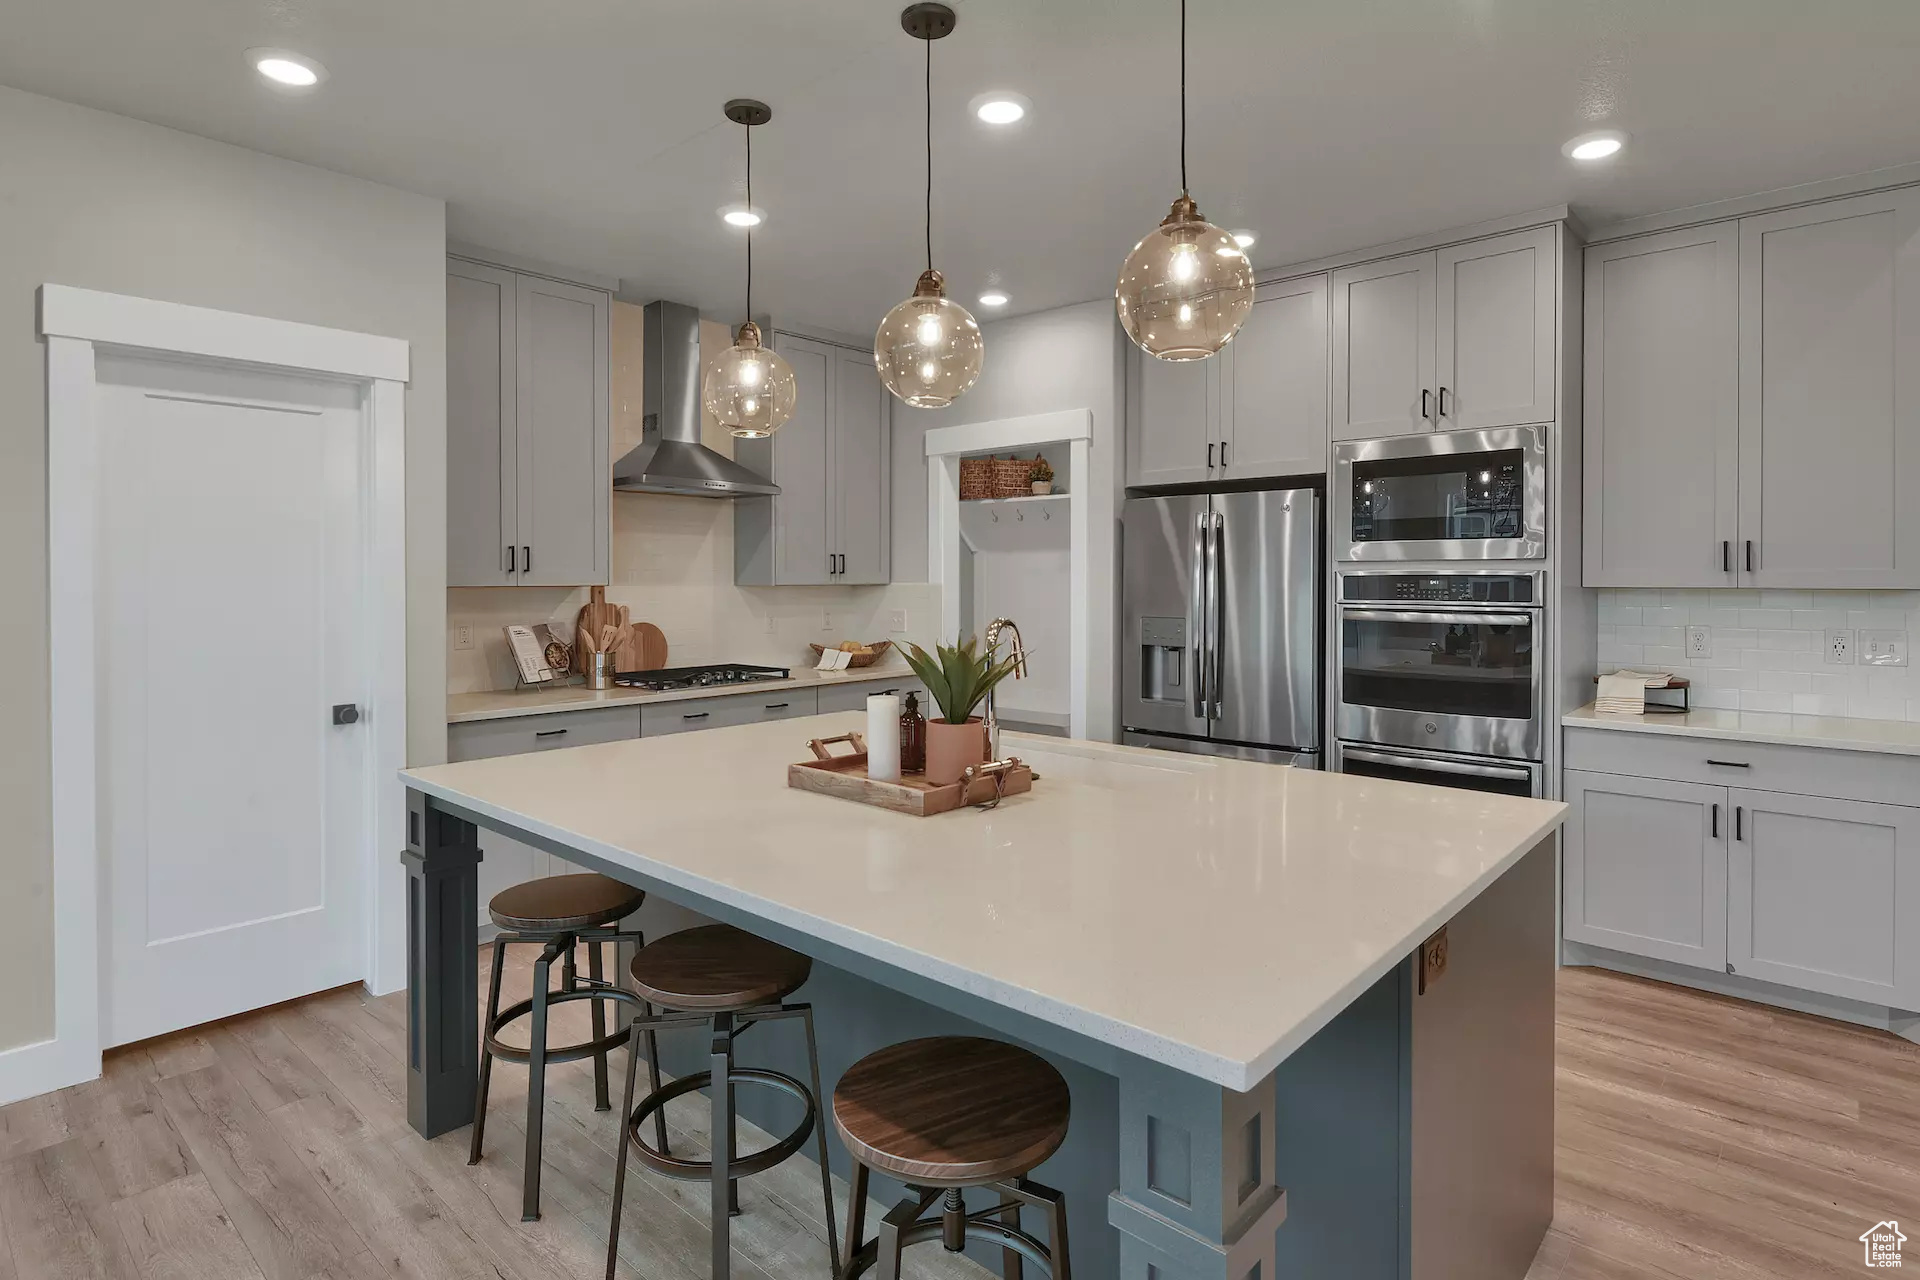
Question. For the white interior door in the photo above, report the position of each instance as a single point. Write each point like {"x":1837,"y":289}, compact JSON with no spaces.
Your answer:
{"x":232,"y":619}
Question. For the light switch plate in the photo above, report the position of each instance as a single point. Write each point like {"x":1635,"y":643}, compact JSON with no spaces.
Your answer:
{"x":1699,"y":642}
{"x":1883,"y":647}
{"x":1838,"y":649}
{"x":826,"y":621}
{"x":897,"y":622}
{"x":463,"y":636}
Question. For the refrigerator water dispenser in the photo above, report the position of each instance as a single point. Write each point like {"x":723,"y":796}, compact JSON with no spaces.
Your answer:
{"x":1163,"y":657}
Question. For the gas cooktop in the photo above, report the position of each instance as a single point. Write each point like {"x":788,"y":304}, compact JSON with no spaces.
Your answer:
{"x":720,"y":673}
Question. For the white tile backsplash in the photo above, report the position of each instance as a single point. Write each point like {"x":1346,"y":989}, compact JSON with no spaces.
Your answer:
{"x":1767,"y":647}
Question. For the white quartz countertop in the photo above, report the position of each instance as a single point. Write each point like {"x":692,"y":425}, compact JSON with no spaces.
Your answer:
{"x":1887,"y":737}
{"x":1210,"y":915}
{"x":504,"y":704}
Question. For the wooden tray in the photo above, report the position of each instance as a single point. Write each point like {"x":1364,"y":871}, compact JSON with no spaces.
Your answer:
{"x":845,"y":776}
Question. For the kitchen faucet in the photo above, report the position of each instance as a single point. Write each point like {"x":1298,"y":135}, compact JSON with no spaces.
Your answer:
{"x":992,"y":725}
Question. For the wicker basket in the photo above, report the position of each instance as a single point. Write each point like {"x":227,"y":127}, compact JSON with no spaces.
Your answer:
{"x":976,"y":478}
{"x":875,"y":651}
{"x":1012,"y":477}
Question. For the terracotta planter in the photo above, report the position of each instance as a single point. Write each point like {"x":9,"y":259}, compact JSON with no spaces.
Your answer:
{"x":952,"y":747}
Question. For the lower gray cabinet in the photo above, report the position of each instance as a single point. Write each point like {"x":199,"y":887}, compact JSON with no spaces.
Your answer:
{"x":657,"y":718}
{"x":1817,"y":890}
{"x":853,"y":697}
{"x":1646,"y":867}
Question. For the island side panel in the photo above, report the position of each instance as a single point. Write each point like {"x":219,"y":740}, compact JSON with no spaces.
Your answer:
{"x":443,"y":948}
{"x":1483,"y":1050}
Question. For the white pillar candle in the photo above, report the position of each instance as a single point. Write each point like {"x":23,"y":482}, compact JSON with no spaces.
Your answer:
{"x":883,"y":737}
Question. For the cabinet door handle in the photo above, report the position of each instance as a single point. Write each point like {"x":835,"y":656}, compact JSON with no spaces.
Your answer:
{"x":510,"y":560}
{"x":1223,"y":455}
{"x":526,"y":558}
{"x":696,"y":715}
{"x":1726,"y":556}
{"x":1443,"y":402}
{"x":548,"y":733}
{"x":1716,"y":822}
{"x":1749,"y":555}
{"x":843,"y":564}
{"x":1210,"y":448}
{"x":1729,"y":764}
{"x":778,"y":706}
{"x":1739,"y":822}
{"x":1426,"y":405}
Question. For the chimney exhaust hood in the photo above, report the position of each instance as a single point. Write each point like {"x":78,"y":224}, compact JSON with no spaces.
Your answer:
{"x":670,"y":457}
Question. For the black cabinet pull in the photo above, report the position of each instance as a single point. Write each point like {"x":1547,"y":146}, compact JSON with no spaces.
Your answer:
{"x":696,"y":715}
{"x":1729,"y":764}
{"x":1223,"y":455}
{"x":1443,"y":402}
{"x":526,"y":558}
{"x":843,"y":564}
{"x":1749,"y":555}
{"x":1739,"y":822}
{"x":1210,"y":448}
{"x":1716,"y":822}
{"x":1726,"y":556}
{"x":1426,"y":405}
{"x":778,"y":706}
{"x":510,"y":560}
{"x":548,"y":733}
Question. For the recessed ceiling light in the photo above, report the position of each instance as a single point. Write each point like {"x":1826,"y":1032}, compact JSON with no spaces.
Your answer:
{"x":993,"y":298}
{"x":1243,"y":238}
{"x":285,"y":67}
{"x":1594,"y":146}
{"x":738,"y":215}
{"x":1000,"y":107}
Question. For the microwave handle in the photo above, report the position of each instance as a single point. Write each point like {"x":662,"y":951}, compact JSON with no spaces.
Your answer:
{"x":1465,"y":768}
{"x":1435,"y":615}
{"x":1197,"y":614}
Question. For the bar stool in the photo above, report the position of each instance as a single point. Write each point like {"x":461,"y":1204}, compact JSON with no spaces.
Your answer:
{"x":558,"y":912}
{"x":727,"y":981}
{"x":943,"y":1114}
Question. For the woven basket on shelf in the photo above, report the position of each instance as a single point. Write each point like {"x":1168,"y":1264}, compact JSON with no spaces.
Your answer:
{"x":976,"y":478}
{"x":1012,"y":477}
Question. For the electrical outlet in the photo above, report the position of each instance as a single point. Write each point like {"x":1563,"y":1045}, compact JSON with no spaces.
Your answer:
{"x":1883,"y":648}
{"x":1839,"y":647}
{"x":773,"y":625}
{"x":897,"y":622}
{"x":1433,"y":959}
{"x":463,"y":636}
{"x":1699,"y":642}
{"x":826,"y":620}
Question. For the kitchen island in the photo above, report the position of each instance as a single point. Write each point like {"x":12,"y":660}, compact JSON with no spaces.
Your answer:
{"x":1220,"y":956}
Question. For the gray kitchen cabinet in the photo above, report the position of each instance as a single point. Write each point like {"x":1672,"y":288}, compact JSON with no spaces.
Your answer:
{"x":1820,"y":892}
{"x":528,"y":469}
{"x":1257,"y":409}
{"x":1830,"y":394}
{"x":504,"y":862}
{"x":1383,"y":352}
{"x":1494,"y":337}
{"x":1661,"y":419}
{"x":853,"y":697}
{"x":832,"y":520}
{"x":690,"y":714}
{"x":1274,"y":412}
{"x":1646,"y":867}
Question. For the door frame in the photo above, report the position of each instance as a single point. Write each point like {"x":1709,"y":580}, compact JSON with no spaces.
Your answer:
{"x":74,"y":323}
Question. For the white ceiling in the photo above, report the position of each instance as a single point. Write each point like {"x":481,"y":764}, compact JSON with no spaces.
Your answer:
{"x":589,"y":133}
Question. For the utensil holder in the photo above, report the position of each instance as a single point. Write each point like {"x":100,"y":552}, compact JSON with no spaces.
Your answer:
{"x":600,"y":670}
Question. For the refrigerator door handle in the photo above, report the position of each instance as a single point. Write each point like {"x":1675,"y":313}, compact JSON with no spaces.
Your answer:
{"x":1215,"y":522}
{"x":1197,"y":613}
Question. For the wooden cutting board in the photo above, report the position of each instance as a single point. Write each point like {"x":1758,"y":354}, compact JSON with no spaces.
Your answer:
{"x":645,"y":650}
{"x":595,"y":614}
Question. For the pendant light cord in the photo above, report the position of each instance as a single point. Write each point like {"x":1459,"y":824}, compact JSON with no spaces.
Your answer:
{"x":930,"y":153}
{"x":749,"y":129}
{"x":1183,"y":98}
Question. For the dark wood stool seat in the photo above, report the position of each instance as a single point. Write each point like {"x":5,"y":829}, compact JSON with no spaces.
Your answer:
{"x":715,"y":968}
{"x":556,"y":904}
{"x":943,"y":1114}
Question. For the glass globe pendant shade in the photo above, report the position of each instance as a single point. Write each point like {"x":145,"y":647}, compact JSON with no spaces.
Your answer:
{"x":928,"y":349}
{"x":1186,"y":289}
{"x":749,"y":390}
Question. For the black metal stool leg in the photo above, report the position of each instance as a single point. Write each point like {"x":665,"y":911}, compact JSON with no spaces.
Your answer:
{"x":720,"y":1063}
{"x":537,"y":1074}
{"x":1010,"y":1268}
{"x":595,"y":976}
{"x":486,"y":1054}
{"x":856,"y":1217}
{"x":620,"y":1170}
{"x":653,"y":1081}
{"x":820,"y":1133}
{"x":1056,"y":1206}
{"x":898,"y":1219}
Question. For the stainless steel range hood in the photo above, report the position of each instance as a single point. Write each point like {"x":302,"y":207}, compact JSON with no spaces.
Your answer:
{"x":670,"y":457}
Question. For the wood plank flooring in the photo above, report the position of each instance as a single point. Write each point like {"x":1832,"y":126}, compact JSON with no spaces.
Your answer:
{"x":1699,"y":1139}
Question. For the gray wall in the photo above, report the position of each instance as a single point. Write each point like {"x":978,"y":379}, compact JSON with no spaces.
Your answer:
{"x":1068,"y":358}
{"x":104,"y":202}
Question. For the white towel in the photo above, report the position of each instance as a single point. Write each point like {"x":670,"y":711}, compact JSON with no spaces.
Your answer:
{"x":1621,"y":695}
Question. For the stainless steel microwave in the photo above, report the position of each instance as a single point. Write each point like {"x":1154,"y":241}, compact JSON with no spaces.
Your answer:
{"x":1444,"y":495}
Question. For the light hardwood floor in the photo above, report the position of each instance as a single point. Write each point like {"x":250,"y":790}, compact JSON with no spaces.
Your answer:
{"x":1700,"y":1139}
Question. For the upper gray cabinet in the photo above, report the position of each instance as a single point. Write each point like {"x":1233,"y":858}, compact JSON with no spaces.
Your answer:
{"x":833,"y":520}
{"x":1446,"y":340}
{"x":1753,"y":401}
{"x":1255,"y":410}
{"x":528,"y":471}
{"x":1662,"y":390}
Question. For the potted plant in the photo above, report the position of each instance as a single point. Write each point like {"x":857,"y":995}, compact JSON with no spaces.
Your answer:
{"x":958,"y":678}
{"x":1041,"y":477}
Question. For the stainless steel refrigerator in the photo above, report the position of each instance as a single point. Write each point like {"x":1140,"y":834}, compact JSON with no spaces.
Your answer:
{"x":1222,"y":625}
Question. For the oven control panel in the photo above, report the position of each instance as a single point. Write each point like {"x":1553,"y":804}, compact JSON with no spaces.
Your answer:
{"x":1440,"y":588}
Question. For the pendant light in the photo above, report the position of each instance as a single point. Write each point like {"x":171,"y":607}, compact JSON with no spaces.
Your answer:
{"x":750,"y":389}
{"x":1186,"y":288}
{"x":928,"y":349}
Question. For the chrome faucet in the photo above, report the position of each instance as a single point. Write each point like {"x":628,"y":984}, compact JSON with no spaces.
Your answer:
{"x":992,"y":725}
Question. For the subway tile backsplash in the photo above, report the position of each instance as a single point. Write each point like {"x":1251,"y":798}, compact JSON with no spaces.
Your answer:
{"x":1768,"y":648}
